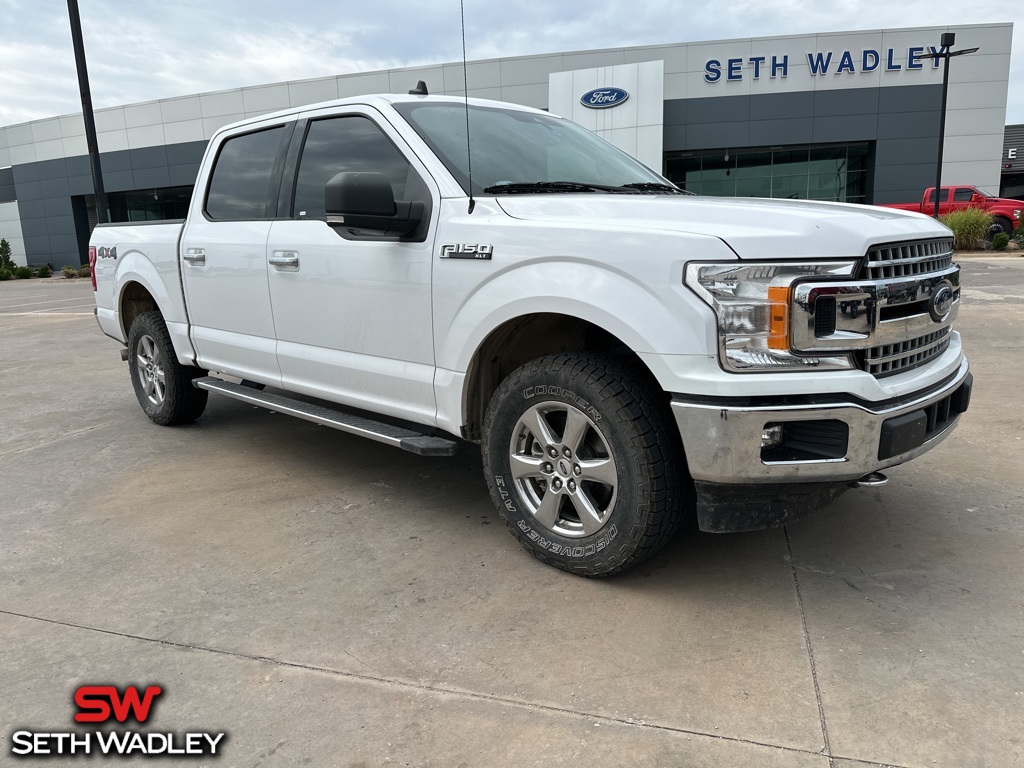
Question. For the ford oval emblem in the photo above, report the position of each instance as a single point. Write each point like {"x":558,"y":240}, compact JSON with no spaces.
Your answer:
{"x":602,"y":98}
{"x":943,"y":297}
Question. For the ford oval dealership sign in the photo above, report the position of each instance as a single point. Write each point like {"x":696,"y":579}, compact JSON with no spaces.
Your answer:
{"x":602,"y":98}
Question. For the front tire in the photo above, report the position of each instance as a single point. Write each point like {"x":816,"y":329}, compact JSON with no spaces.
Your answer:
{"x":1003,"y":224}
{"x":584,"y":464}
{"x":162,"y":385}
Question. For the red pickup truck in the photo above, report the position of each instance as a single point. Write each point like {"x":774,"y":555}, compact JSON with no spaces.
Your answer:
{"x":1006,"y":213}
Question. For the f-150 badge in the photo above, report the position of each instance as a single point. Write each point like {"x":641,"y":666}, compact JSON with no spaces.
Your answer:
{"x":467,"y":251}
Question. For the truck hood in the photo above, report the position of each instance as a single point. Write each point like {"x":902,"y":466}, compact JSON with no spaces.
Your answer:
{"x":754,"y":228}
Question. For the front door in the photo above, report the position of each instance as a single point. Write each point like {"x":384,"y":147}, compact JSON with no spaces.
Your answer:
{"x":352,"y":311}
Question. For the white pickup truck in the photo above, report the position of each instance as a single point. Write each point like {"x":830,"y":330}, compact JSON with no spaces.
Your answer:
{"x":622,"y":351}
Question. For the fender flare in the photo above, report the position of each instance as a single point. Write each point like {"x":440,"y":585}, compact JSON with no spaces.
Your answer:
{"x":135,"y":267}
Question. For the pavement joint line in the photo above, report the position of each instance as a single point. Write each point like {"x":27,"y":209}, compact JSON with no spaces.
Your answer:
{"x":45,"y":313}
{"x":48,"y":301}
{"x":810,"y":652}
{"x":27,"y":448}
{"x":445,"y":690}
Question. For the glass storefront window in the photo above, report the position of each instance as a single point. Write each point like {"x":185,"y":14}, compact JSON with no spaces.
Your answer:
{"x":832,"y":172}
{"x":149,"y":204}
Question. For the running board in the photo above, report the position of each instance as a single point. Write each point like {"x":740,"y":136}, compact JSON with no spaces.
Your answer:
{"x":399,"y":437}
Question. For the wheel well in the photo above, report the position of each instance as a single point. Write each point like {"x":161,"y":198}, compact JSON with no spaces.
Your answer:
{"x":517,"y":342}
{"x":1000,"y":218}
{"x":134,"y":301}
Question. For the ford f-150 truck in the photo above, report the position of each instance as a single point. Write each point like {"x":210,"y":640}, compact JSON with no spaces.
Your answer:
{"x":1005,"y":212}
{"x":622,"y":351}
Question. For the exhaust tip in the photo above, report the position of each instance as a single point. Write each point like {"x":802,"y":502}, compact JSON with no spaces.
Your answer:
{"x":872,"y":480}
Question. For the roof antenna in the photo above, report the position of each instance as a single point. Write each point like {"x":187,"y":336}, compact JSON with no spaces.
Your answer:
{"x":465,"y":78}
{"x":419,"y":90}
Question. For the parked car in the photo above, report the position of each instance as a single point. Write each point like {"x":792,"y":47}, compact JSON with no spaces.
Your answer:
{"x":621,"y":350}
{"x":1005,"y":212}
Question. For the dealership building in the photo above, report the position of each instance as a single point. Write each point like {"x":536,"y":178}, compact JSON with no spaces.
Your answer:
{"x":847,"y":116}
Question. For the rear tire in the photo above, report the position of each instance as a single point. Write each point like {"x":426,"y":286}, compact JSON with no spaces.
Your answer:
{"x":162,"y":385}
{"x":584,"y":463}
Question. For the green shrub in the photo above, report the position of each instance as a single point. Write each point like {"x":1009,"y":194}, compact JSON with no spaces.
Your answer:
{"x":83,"y":271}
{"x":1000,"y":241}
{"x":23,"y":273}
{"x":970,"y":227}
{"x":5,"y":256}
{"x":5,"y":274}
{"x":69,"y":271}
{"x":44,"y":271}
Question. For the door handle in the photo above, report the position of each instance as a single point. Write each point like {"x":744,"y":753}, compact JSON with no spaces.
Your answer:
{"x":285,"y":259}
{"x":195,"y":256}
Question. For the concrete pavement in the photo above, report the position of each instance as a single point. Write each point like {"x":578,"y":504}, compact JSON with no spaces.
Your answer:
{"x":331,"y":601}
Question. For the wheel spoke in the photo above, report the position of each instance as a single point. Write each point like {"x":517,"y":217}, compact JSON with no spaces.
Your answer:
{"x":538,"y":425}
{"x":141,"y":362}
{"x":149,"y":386}
{"x":158,"y":391}
{"x":599,"y":471}
{"x":525,"y":466}
{"x":547,"y":512}
{"x":576,"y":425}
{"x":589,"y":516}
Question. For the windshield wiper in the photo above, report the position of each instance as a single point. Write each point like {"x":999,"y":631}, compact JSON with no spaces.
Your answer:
{"x":635,"y":188}
{"x":546,"y":186}
{"x":654,"y":186}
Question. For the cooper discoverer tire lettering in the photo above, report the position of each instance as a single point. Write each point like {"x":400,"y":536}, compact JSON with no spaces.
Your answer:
{"x":162,"y":385}
{"x":583,"y":463}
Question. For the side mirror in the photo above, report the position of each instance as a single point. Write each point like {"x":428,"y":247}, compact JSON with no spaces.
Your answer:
{"x":363,"y":200}
{"x":977,"y":198}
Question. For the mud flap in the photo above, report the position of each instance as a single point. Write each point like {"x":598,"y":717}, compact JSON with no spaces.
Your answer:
{"x":735,"y":508}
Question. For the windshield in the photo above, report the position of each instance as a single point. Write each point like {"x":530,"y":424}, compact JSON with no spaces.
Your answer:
{"x":515,"y":147}
{"x":986,"y":192}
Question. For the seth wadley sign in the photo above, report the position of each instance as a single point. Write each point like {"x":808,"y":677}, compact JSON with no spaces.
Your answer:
{"x":824,"y":63}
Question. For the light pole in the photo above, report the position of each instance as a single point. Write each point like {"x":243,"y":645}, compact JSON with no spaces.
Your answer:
{"x":87,"y":113}
{"x":946,"y":42}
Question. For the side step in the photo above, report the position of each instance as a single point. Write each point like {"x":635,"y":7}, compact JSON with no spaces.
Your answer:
{"x":399,"y":437}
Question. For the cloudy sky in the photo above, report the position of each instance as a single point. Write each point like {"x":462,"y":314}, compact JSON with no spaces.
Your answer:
{"x":144,"y":50}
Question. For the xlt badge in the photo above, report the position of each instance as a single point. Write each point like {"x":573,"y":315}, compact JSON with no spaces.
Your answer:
{"x":467,"y":251}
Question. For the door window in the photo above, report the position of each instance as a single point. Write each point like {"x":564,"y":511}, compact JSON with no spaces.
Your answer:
{"x":243,"y":176}
{"x":963,"y":195}
{"x":350,"y":143}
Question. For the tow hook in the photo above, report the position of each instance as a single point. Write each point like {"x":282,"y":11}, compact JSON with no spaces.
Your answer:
{"x":872,"y":480}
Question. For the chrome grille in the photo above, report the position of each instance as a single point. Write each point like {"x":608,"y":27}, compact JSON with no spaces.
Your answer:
{"x":908,"y":259}
{"x":890,"y":359}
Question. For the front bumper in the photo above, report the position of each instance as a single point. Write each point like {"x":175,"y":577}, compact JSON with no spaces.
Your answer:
{"x":744,"y":488}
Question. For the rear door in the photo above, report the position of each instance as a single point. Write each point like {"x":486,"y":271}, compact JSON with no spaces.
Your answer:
{"x":224,"y":254}
{"x":943,"y":202}
{"x":353,"y":311}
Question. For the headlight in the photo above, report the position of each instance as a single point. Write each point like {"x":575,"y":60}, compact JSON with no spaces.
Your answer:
{"x":1016,"y":213}
{"x":752,"y":303}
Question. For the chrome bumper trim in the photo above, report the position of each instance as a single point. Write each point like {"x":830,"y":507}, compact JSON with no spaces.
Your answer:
{"x":723,"y":444}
